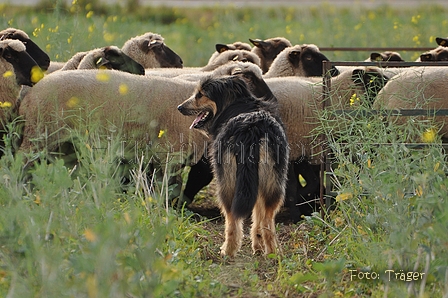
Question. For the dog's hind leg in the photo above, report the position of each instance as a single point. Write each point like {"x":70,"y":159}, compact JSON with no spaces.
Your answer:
{"x":256,"y":233}
{"x":233,"y":234}
{"x":263,"y":235}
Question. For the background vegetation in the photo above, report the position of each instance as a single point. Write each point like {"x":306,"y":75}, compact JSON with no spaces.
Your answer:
{"x":79,"y":235}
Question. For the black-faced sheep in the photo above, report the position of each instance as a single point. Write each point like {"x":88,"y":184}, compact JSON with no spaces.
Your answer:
{"x":438,"y":54}
{"x":110,"y":57}
{"x":32,"y":48}
{"x":300,"y":61}
{"x":17,"y":68}
{"x":268,"y":49}
{"x":417,"y":88}
{"x":151,"y":51}
{"x":220,"y":48}
{"x":385,"y":56}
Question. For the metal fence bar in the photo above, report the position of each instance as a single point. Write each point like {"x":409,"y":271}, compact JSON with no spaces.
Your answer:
{"x":380,"y":49}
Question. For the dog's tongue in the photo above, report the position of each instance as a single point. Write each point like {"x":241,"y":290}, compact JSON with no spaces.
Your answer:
{"x":196,"y":121}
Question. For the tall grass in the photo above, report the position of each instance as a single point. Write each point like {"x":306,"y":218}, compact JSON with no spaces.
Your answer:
{"x":73,"y":231}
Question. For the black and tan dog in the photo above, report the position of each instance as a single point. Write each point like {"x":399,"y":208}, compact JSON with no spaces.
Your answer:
{"x":249,"y":155}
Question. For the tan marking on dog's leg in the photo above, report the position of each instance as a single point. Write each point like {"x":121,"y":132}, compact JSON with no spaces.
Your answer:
{"x":256,"y":233}
{"x":234,"y":236}
{"x":268,"y":230}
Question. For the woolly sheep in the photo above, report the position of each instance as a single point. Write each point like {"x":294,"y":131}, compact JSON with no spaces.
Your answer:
{"x":139,"y":106}
{"x":151,"y":51}
{"x":17,"y":68}
{"x":195,"y":73}
{"x":417,"y":88}
{"x":268,"y":49}
{"x":220,"y":48}
{"x":33,"y":49}
{"x":299,"y":60}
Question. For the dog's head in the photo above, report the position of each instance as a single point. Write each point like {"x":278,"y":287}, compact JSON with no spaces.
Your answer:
{"x":211,"y":98}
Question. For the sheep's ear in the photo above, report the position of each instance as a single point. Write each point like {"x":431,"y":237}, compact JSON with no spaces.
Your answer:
{"x":442,"y":41}
{"x":426,"y":57}
{"x":294,"y":57}
{"x":376,"y":56}
{"x":259,"y":43}
{"x":221,"y":47}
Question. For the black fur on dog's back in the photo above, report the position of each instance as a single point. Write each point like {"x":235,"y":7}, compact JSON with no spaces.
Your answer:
{"x":244,"y":137}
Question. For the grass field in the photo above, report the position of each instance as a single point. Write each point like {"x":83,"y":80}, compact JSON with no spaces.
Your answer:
{"x":66,"y":233}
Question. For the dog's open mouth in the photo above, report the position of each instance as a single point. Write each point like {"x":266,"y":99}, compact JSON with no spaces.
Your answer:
{"x":199,"y":121}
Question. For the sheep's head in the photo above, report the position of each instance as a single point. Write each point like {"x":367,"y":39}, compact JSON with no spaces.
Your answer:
{"x":42,"y":59}
{"x":300,"y":60}
{"x":112,"y":57}
{"x":26,"y":70}
{"x":232,"y":56}
{"x":438,"y":54}
{"x":151,"y":51}
{"x":268,"y":49}
{"x":386,"y":56}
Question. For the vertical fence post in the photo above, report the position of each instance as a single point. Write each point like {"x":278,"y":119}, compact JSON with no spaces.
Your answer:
{"x":326,"y":65}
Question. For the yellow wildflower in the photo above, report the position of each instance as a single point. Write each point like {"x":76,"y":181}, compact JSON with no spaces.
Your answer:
{"x":161,"y":133}
{"x":429,"y":135}
{"x":89,"y":14}
{"x":73,"y":102}
{"x":353,"y":99}
{"x":123,"y":89}
{"x":8,"y":74}
{"x":90,"y":235}
{"x":344,"y":196}
{"x":102,"y":76}
{"x":36,"y":74}
{"x":5,"y":104}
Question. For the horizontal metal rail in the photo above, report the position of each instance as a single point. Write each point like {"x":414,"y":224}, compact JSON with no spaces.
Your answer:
{"x":380,"y":49}
{"x":395,"y":112}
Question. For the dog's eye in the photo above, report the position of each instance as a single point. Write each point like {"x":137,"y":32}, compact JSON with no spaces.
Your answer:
{"x":198,"y":95}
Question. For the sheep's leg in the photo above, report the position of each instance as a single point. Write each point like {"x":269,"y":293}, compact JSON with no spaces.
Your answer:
{"x":233,"y":234}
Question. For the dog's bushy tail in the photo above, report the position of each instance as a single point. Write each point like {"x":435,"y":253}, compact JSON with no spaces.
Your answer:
{"x":246,"y":187}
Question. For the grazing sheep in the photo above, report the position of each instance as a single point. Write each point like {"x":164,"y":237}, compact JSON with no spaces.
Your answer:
{"x":417,"y":88}
{"x":385,"y":56}
{"x":110,"y":57}
{"x":299,"y":60}
{"x":268,"y":49}
{"x":237,"y":45}
{"x":33,"y":49}
{"x":17,"y":68}
{"x":151,"y":51}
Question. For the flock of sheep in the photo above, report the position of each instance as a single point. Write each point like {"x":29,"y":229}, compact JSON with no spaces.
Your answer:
{"x":134,"y":91}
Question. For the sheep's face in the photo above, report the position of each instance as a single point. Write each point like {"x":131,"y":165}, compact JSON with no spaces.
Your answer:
{"x":309,"y":60}
{"x":438,"y":54}
{"x":164,"y":55}
{"x":386,"y":56}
